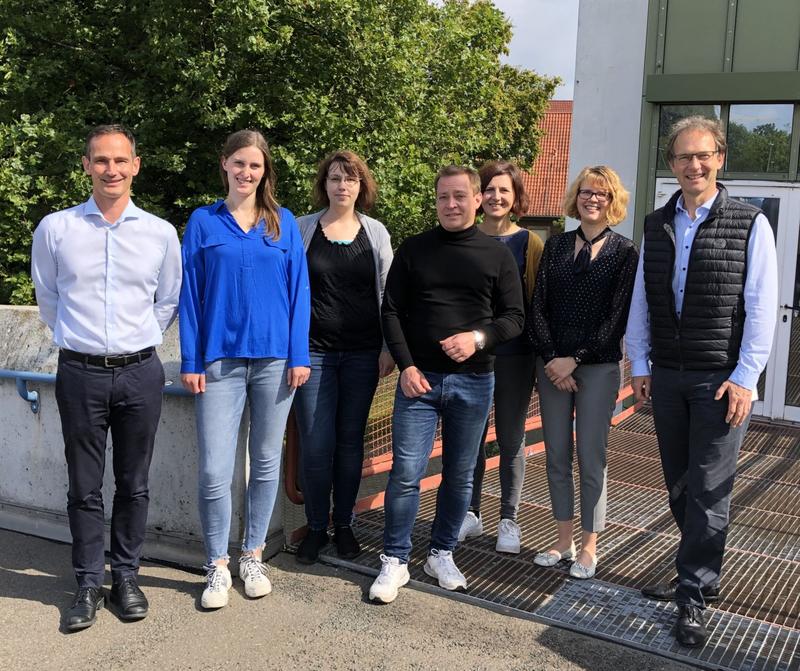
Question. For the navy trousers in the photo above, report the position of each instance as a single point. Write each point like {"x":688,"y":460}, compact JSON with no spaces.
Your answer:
{"x":91,"y":400}
{"x":699,"y":451}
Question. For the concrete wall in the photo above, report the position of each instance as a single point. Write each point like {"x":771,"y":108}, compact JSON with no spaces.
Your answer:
{"x":609,"y":73}
{"x":33,"y":479}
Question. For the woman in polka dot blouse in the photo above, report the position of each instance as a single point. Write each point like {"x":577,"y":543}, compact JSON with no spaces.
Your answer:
{"x":576,"y":322}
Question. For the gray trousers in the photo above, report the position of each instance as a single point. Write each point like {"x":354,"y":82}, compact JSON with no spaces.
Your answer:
{"x":513,"y":387}
{"x":593,"y":405}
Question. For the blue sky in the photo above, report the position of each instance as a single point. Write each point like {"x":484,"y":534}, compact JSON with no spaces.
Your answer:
{"x":545,"y":34}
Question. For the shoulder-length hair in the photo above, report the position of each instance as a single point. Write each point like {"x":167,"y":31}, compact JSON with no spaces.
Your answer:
{"x":353,"y":166}
{"x":607,"y":179}
{"x":494,"y":168}
{"x":266,"y":205}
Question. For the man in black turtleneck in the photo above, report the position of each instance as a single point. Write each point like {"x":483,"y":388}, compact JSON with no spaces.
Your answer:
{"x":452,"y":294}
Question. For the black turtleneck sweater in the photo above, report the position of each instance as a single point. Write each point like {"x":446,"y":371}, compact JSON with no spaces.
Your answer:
{"x":442,"y":283}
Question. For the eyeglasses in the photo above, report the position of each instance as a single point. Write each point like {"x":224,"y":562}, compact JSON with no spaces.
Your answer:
{"x":702,"y":156}
{"x":348,"y":180}
{"x":600,"y":196}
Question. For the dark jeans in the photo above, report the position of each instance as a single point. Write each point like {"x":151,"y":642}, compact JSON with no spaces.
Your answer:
{"x":462,"y":401}
{"x":92,"y":400}
{"x":514,"y":376}
{"x":331,"y":411}
{"x":699,"y":451}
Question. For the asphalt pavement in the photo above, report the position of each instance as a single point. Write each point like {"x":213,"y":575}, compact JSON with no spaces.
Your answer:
{"x":316,"y":618}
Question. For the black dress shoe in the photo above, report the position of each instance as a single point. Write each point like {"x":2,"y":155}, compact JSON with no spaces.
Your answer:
{"x":691,"y":627}
{"x":665,"y":591}
{"x":308,"y":550}
{"x":347,"y":546}
{"x":83,"y":611}
{"x":128,"y":600}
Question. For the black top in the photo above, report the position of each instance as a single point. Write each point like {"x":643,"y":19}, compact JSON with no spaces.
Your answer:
{"x":442,"y":283}
{"x":344,"y":308}
{"x":582,"y":315}
{"x":517,"y":243}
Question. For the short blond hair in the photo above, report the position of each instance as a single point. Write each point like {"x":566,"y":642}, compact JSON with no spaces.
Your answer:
{"x":610,"y":181}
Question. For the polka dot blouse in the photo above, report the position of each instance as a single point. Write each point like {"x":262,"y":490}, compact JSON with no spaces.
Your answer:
{"x":582,"y":315}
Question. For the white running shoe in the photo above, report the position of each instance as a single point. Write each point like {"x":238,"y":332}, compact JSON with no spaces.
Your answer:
{"x":218,"y":582}
{"x":254,"y":575}
{"x":471,"y":526}
{"x":392,"y":577}
{"x":508,"y":535}
{"x":440,"y":565}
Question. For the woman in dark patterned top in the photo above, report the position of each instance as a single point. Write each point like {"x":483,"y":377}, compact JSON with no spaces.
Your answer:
{"x":503,"y":194}
{"x":348,"y":255}
{"x":576,"y":322}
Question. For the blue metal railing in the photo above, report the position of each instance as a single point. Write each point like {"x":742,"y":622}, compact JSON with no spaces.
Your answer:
{"x":22,"y":377}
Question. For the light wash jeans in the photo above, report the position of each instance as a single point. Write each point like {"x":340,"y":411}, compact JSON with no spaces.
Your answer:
{"x":462,"y":400}
{"x":229,"y":382}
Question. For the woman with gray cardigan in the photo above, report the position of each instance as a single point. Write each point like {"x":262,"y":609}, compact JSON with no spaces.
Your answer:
{"x":348,"y":255}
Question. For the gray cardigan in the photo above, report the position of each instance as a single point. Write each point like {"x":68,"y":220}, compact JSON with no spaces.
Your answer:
{"x":378,"y":238}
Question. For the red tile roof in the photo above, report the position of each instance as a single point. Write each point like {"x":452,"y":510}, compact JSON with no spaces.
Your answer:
{"x":547,"y":180}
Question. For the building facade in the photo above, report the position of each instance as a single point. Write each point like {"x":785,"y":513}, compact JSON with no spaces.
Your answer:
{"x":643,"y":64}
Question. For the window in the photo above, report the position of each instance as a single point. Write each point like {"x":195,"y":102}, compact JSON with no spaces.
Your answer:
{"x":759,"y":138}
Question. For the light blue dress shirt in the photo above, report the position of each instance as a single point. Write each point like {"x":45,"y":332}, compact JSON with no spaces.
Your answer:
{"x":106,"y":288}
{"x":760,"y":297}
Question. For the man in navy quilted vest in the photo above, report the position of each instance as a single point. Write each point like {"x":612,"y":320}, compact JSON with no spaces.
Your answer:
{"x":699,"y":335}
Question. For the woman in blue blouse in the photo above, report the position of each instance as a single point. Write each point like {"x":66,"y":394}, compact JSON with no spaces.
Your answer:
{"x":244,"y":317}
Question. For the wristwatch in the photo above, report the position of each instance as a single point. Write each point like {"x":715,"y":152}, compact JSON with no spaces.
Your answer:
{"x":480,"y":340}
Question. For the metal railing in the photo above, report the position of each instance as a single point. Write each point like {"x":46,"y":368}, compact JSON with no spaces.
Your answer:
{"x":23,"y":377}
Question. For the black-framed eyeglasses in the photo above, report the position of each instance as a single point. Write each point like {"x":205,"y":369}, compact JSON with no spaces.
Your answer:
{"x":702,"y":156}
{"x":599,"y":196}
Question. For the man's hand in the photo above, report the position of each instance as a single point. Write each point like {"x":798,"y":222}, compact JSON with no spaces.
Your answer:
{"x":194,"y":383}
{"x":739,"y":401}
{"x":459,"y":347}
{"x":559,"y":369}
{"x":413,"y":382}
{"x":297,"y":376}
{"x":385,"y":364}
{"x":641,"y":387}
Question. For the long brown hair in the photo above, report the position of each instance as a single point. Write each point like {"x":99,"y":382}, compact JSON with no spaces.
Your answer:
{"x":266,"y":205}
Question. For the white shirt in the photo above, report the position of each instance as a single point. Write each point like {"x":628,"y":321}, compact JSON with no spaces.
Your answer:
{"x":760,"y":296}
{"x":106,"y":288}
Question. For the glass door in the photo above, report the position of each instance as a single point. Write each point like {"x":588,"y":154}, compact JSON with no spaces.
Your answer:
{"x":779,"y":386}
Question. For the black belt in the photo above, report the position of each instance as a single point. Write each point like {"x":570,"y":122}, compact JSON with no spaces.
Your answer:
{"x":110,"y":360}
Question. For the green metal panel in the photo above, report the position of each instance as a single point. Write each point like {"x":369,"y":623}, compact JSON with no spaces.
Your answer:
{"x":724,"y":86}
{"x":767,"y":36}
{"x":648,"y":126}
{"x":695,"y":36}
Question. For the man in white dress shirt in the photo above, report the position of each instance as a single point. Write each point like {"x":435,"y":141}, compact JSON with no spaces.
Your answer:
{"x":107,"y":278}
{"x":703,"y":312}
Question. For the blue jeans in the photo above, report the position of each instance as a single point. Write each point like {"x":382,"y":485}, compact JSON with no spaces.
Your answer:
{"x":229,"y":382}
{"x":331,"y":411}
{"x":462,"y":400}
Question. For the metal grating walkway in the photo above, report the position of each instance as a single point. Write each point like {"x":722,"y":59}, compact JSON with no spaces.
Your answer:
{"x":756,"y":626}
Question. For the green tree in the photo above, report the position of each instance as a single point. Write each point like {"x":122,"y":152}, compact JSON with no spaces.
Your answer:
{"x":407,"y":84}
{"x":765,"y":148}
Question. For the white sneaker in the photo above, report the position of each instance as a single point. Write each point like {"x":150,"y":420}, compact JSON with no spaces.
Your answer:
{"x":508,"y":534}
{"x":254,"y":575}
{"x":392,"y":577}
{"x":218,"y":582}
{"x":471,"y":526}
{"x":440,"y":565}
